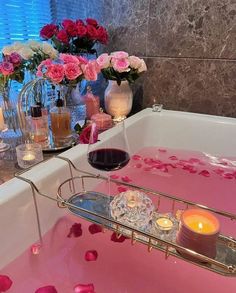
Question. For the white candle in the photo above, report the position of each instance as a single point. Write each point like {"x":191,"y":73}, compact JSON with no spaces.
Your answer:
{"x":28,"y":157}
{"x":164,"y":224}
{"x":1,"y":120}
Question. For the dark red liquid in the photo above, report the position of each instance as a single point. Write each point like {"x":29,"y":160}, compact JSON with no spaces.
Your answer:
{"x":108,"y":159}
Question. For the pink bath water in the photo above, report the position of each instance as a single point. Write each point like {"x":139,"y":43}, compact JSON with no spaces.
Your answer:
{"x":121,"y":267}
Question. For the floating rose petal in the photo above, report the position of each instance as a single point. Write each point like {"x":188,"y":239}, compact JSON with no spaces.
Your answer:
{"x":126,"y":179}
{"x":35,"y":248}
{"x":219,"y":171}
{"x":91,"y":255}
{"x":75,"y":230}
{"x":46,"y":289}
{"x":194,"y":160}
{"x":120,"y":239}
{"x":204,"y":173}
{"x":171,"y":165}
{"x":83,"y":288}
{"x":173,"y":158}
{"x":228,"y":176}
{"x":149,"y":161}
{"x":138,"y":166}
{"x":122,"y":188}
{"x":162,"y":150}
{"x":94,"y":228}
{"x":114,"y":176}
{"x":164,"y":168}
{"x":136,"y":157}
{"x":5,"y":283}
{"x":193,"y":171}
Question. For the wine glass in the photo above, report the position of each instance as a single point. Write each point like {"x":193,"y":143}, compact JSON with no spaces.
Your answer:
{"x":109,"y":154}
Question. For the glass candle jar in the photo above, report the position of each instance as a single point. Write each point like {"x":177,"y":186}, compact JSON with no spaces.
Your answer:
{"x":29,"y":154}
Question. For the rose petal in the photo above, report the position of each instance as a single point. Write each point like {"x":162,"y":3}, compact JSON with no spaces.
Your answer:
{"x":84,"y":288}
{"x":162,"y":150}
{"x":147,"y":169}
{"x":204,"y":173}
{"x":114,"y":176}
{"x":94,"y":228}
{"x":5,"y":283}
{"x":149,"y":161}
{"x":91,"y":255}
{"x":75,"y":230}
{"x":126,"y":179}
{"x":171,"y":165}
{"x":35,"y":248}
{"x":121,"y":238}
{"x":219,"y":171}
{"x":228,"y":176}
{"x":138,"y":166}
{"x":173,"y":158}
{"x":194,"y":160}
{"x":136,"y":157}
{"x":46,"y":289}
{"x":122,"y":188}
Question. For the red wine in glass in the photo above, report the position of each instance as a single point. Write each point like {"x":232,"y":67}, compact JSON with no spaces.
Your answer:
{"x":108,"y":159}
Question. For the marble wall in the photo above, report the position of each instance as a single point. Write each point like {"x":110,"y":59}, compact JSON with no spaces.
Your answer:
{"x":189,"y":47}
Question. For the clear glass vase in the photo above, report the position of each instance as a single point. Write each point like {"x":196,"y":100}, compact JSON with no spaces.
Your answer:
{"x":118,"y":100}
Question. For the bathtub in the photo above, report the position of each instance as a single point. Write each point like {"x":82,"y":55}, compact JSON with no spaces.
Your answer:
{"x":168,"y":129}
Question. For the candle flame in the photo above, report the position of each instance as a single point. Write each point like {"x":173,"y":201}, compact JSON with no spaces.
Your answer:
{"x":200,"y":226}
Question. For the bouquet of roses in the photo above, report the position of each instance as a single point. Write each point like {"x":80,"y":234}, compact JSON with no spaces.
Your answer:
{"x":120,"y":66}
{"x":11,"y":68}
{"x":68,"y":69}
{"x":33,"y":52}
{"x":75,"y":37}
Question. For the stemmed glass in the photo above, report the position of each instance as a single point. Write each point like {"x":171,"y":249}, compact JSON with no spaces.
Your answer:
{"x":109,"y":154}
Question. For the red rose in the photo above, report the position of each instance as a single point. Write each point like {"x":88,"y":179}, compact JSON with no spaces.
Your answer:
{"x":15,"y":59}
{"x":63,"y":37}
{"x":91,"y":32}
{"x":81,"y":30}
{"x":85,"y":135}
{"x":102,"y":35}
{"x":70,"y":27}
{"x":48,"y":31}
{"x":92,"y":21}
{"x":79,"y":22}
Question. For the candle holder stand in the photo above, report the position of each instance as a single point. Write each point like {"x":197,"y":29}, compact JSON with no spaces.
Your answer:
{"x":95,"y":207}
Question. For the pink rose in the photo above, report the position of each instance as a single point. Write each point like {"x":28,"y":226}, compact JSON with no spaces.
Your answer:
{"x":81,"y":30}
{"x":48,"y":31}
{"x":120,"y":54}
{"x":120,"y":65}
{"x":135,"y":62}
{"x":104,"y":60}
{"x":82,"y":60}
{"x":6,"y":68}
{"x":91,"y":32}
{"x":72,"y":71}
{"x":92,"y":21}
{"x":67,"y":58}
{"x":63,"y":37}
{"x":42,"y":65}
{"x":102,"y":35}
{"x":55,"y":72}
{"x":91,"y":70}
{"x":15,"y":59}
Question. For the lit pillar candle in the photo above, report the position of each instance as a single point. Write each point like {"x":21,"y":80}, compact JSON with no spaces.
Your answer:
{"x":199,"y":230}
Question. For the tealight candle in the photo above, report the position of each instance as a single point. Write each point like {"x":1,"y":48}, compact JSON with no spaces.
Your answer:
{"x":29,"y":154}
{"x":199,"y":231}
{"x":132,"y":199}
{"x":164,"y":224}
{"x":28,"y":157}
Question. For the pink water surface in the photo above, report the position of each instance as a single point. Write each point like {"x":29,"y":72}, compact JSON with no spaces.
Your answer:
{"x":121,"y":267}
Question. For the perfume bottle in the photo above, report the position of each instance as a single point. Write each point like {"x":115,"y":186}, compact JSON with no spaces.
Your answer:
{"x":61,"y":124}
{"x":92,"y":103}
{"x":38,"y":126}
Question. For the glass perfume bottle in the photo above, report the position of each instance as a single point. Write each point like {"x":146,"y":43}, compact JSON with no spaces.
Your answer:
{"x":39,"y":126}
{"x":61,"y":124}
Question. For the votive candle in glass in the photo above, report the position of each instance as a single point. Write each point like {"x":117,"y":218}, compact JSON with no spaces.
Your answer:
{"x":29,"y":154}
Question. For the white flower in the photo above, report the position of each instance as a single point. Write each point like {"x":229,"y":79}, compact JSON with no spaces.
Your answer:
{"x":26,"y":53}
{"x":49,"y":50}
{"x":104,"y":60}
{"x":34,"y":45}
{"x":135,"y":62}
{"x":143,"y":66}
{"x":7,"y":50}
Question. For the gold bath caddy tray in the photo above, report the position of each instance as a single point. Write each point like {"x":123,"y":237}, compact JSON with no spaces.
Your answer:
{"x":95,"y":207}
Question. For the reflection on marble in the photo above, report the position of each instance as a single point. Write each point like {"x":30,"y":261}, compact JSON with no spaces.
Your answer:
{"x":201,"y":86}
{"x":196,"y":28}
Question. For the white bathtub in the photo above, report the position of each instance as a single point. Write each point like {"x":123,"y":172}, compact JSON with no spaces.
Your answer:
{"x":178,"y":130}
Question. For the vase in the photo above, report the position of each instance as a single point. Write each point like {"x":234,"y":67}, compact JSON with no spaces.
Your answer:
{"x":118,"y":100}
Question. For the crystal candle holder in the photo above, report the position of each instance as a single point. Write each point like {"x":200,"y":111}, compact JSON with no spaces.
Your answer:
{"x":132,"y":208}
{"x":28,"y":155}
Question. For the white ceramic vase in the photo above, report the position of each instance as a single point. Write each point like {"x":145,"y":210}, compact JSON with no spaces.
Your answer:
{"x":118,"y":100}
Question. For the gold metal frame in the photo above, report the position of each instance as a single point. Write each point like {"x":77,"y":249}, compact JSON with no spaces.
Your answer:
{"x":152,"y":241}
